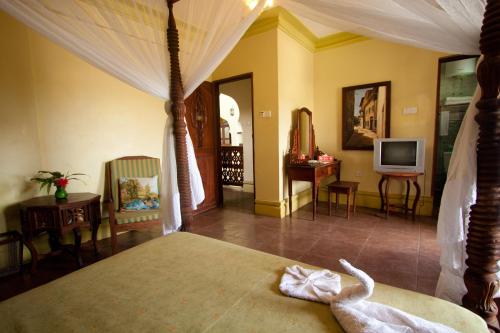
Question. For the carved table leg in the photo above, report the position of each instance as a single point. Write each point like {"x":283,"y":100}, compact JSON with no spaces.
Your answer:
{"x":28,"y":241}
{"x":407,"y":196}
{"x":388,"y":180}
{"x":54,"y":241}
{"x":290,"y":196}
{"x":78,"y":242}
{"x":314,"y":195}
{"x":417,"y":197}
{"x":380,"y":183}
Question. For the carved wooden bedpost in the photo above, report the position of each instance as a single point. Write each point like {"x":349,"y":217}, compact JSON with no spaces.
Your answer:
{"x":179,"y":112}
{"x":483,"y":239}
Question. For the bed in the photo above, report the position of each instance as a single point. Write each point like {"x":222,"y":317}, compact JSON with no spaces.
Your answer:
{"x":190,"y":283}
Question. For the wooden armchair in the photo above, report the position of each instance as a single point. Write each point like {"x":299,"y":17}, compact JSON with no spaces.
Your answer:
{"x":124,"y":220}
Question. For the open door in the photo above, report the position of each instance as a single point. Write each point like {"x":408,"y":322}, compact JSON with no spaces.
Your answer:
{"x":203,"y":127}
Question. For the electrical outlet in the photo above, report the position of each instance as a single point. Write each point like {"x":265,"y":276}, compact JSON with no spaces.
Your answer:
{"x":410,"y":110}
{"x":265,"y":114}
{"x":358,"y":173}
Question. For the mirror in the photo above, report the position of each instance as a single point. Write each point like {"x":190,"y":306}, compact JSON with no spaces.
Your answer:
{"x":302,"y":147}
{"x":304,"y":124}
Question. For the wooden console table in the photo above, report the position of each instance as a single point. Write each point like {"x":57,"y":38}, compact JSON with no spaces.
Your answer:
{"x":401,"y":176}
{"x":58,"y":218}
{"x":313,"y":173}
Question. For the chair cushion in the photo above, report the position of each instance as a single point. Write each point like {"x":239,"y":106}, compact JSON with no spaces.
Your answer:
{"x":137,"y":216}
{"x":139,"y":193}
{"x":137,"y":167}
{"x":343,"y":185}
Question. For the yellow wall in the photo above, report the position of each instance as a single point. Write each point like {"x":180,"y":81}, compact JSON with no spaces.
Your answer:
{"x":60,"y":113}
{"x":413,"y":76}
{"x":258,"y":54}
{"x":311,"y":72}
{"x":19,"y":153}
{"x":295,"y":90}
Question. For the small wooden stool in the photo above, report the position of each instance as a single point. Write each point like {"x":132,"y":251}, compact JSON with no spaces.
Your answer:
{"x":342,"y":187}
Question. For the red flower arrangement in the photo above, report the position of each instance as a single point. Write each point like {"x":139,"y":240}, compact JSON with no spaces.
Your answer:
{"x":61,"y":182}
{"x":56,"y":178}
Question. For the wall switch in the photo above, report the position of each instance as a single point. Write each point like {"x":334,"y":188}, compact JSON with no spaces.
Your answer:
{"x":265,"y":114}
{"x":410,"y":110}
{"x":358,"y":173}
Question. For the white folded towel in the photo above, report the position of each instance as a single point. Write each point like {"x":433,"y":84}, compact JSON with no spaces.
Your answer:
{"x":353,"y":312}
{"x":359,"y":316}
{"x":310,"y":284}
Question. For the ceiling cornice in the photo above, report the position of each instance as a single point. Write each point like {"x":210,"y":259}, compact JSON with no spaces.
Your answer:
{"x":279,"y":18}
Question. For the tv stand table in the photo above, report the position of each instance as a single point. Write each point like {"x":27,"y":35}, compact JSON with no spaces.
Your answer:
{"x":401,"y":176}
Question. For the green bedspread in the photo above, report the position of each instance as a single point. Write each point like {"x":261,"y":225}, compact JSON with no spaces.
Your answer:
{"x":190,"y":283}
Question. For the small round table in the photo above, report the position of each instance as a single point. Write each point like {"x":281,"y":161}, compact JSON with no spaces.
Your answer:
{"x":401,"y":176}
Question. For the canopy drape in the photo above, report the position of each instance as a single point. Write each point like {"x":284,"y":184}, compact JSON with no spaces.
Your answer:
{"x":127,"y":40}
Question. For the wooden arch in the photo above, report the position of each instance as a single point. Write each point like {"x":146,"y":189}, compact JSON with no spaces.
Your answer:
{"x":483,"y":239}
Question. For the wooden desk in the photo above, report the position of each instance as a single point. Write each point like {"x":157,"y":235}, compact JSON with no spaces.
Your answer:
{"x":401,"y":176}
{"x":311,"y":173}
{"x":58,"y":218}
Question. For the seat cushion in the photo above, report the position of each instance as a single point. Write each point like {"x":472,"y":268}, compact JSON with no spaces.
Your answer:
{"x":342,"y":185}
{"x":138,"y":216}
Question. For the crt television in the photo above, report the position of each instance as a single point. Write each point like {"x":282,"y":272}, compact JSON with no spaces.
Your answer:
{"x":399,"y":155}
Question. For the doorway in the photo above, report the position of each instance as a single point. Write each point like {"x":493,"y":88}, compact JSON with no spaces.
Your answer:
{"x":456,"y":85}
{"x":234,"y":111}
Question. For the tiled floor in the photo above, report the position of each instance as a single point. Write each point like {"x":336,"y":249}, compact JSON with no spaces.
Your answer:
{"x":396,"y":251}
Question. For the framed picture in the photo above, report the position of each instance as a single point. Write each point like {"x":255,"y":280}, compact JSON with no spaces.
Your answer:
{"x":366,"y":111}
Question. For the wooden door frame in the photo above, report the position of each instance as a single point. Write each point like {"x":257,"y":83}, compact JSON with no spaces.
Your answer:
{"x":441,"y":61}
{"x":217,"y":83}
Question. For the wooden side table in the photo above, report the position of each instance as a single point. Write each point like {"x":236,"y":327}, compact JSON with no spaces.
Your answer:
{"x":46,"y":214}
{"x":401,"y":176}
{"x":313,"y":173}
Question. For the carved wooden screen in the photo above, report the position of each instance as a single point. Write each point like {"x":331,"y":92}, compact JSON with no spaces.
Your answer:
{"x":232,"y":165}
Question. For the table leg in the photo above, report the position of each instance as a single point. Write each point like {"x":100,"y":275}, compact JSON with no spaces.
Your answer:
{"x":290,"y":196}
{"x":387,"y":197}
{"x":407,"y":196}
{"x":314,"y":194}
{"x":54,"y":242}
{"x":33,"y":252}
{"x":380,"y":183}
{"x":417,"y":197}
{"x":348,"y":208}
{"x":336,"y":200}
{"x":78,"y":242}
{"x":95,"y":226}
{"x":329,"y":203}
{"x":354,"y":201}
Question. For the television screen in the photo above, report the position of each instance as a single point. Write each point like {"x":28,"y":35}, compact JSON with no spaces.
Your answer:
{"x":399,"y":153}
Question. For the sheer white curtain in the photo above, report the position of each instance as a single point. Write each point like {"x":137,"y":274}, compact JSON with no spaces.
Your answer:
{"x":127,"y":40}
{"x":444,"y":25}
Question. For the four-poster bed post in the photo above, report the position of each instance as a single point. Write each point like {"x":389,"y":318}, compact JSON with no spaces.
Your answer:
{"x":483,"y":239}
{"x":178,"y":110}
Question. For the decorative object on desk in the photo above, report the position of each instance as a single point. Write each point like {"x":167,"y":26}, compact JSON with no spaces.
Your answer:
{"x":317,"y":153}
{"x":58,"y":179}
{"x":365,"y":115}
{"x":325,"y":158}
{"x":302,"y":145}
